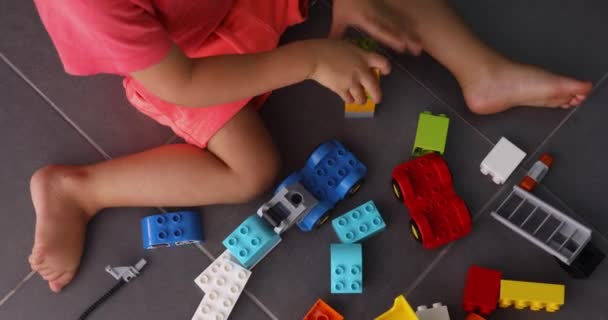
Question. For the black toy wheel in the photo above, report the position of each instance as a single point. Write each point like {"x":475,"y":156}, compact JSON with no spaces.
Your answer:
{"x":415,"y":231}
{"x":397,"y":191}
{"x":354,"y":189}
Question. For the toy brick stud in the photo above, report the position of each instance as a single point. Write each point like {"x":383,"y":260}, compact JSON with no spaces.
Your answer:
{"x":401,"y":310}
{"x":502,"y":160}
{"x":436,"y":312}
{"x":538,"y":171}
{"x":482,"y":290}
{"x":346,"y":268}
{"x":359,"y":223}
{"x":536,"y":296}
{"x":171,"y":229}
{"x":251,"y":241}
{"x":322,"y":311}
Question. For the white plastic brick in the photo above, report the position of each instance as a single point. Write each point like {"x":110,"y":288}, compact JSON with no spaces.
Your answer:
{"x":223,"y":282}
{"x":502,"y":160}
{"x":436,"y":312}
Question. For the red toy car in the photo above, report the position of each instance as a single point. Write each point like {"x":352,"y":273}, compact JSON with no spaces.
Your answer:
{"x":438,"y":214}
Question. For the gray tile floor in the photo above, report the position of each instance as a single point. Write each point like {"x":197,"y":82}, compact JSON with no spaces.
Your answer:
{"x":49,"y":117}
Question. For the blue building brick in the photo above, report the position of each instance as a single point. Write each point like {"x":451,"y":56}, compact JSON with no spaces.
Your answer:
{"x":359,"y":223}
{"x":346,"y":268}
{"x":171,"y":229}
{"x":251,"y":241}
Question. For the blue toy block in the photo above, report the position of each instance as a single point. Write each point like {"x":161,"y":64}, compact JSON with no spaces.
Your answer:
{"x":251,"y":241}
{"x":331,"y":173}
{"x":346,"y":268}
{"x":171,"y":229}
{"x":359,"y":223}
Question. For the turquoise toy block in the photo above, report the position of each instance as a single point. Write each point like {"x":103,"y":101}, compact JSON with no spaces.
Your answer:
{"x":359,"y":223}
{"x":251,"y":241}
{"x":346,"y":268}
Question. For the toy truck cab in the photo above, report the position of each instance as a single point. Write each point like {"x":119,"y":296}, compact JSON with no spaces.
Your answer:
{"x":438,"y":214}
{"x":331,"y":173}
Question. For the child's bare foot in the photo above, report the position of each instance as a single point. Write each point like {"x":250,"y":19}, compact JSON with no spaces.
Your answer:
{"x":61,"y":221}
{"x":508,"y":84}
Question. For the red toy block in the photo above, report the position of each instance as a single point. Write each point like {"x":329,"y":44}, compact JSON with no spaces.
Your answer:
{"x":473,"y":316}
{"x":322,"y":311}
{"x":439,"y":215}
{"x":482,"y":290}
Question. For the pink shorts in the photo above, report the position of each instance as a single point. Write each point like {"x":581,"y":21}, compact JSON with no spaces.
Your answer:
{"x":250,"y":26}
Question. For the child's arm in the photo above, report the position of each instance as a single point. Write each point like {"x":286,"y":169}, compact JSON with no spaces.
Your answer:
{"x":340,"y":66}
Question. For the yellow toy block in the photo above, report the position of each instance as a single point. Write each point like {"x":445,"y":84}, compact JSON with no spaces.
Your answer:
{"x":401,"y":310}
{"x":535,"y":295}
{"x":367,"y":110}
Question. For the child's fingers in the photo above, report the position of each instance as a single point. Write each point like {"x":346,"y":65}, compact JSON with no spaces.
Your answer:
{"x":372,"y":86}
{"x":385,"y":32}
{"x":346,"y":96}
{"x":358,"y":93}
{"x":379,"y":62}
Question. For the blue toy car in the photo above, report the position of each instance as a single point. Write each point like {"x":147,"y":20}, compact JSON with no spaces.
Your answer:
{"x":330,"y":174}
{"x":171,"y":229}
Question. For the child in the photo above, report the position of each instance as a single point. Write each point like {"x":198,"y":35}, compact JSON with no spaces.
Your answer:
{"x":195,"y":66}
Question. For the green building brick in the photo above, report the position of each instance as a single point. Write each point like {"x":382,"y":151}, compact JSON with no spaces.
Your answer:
{"x":431,"y":134}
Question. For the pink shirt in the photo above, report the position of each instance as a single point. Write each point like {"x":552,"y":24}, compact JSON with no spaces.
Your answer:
{"x":122,"y":36}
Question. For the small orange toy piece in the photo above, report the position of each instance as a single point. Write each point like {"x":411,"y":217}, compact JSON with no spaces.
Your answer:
{"x":473,"y":316}
{"x":322,"y":311}
{"x":536,"y":173}
{"x":366,"y":110}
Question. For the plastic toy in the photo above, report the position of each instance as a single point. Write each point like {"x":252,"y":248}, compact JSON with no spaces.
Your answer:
{"x":502,"y":160}
{"x":538,"y":171}
{"x":123,"y":275}
{"x":346,"y":268}
{"x":322,"y":311}
{"x":537,"y":296}
{"x":359,"y":223}
{"x":222,"y":282}
{"x":288,"y":205}
{"x":585,"y":263}
{"x":251,"y":241}
{"x":438,"y":214}
{"x":431,"y":134}
{"x":366,"y":110}
{"x":473,"y":316}
{"x":436,"y":312}
{"x":331,"y":173}
{"x":171,"y":229}
{"x":482,"y":290}
{"x":401,"y":310}
{"x":540,"y":223}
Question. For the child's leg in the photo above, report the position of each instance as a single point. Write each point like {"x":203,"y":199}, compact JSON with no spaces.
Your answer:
{"x":240,"y":163}
{"x":490,"y":82}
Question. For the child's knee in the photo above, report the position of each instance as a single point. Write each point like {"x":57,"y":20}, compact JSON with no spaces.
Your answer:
{"x":257,"y":179}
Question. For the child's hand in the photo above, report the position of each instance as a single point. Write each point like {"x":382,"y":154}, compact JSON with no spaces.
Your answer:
{"x":380,"y":20}
{"x":346,"y":69}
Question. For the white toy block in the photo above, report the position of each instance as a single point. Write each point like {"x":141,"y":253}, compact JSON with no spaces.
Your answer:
{"x":436,"y":312}
{"x":224,"y":267}
{"x":223,"y":282}
{"x":502,"y":160}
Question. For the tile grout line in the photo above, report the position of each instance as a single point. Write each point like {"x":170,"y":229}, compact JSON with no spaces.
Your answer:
{"x":55,"y":107}
{"x":445,"y":251}
{"x":14,"y":290}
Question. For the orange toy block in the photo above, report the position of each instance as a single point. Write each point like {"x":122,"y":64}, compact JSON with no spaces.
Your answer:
{"x":473,"y":316}
{"x":322,"y":311}
{"x":366,"y":110}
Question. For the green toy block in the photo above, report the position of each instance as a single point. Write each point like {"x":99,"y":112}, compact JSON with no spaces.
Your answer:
{"x":431,"y":134}
{"x":366,"y":44}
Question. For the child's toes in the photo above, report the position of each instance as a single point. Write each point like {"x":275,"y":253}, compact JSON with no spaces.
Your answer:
{"x":61,"y":281}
